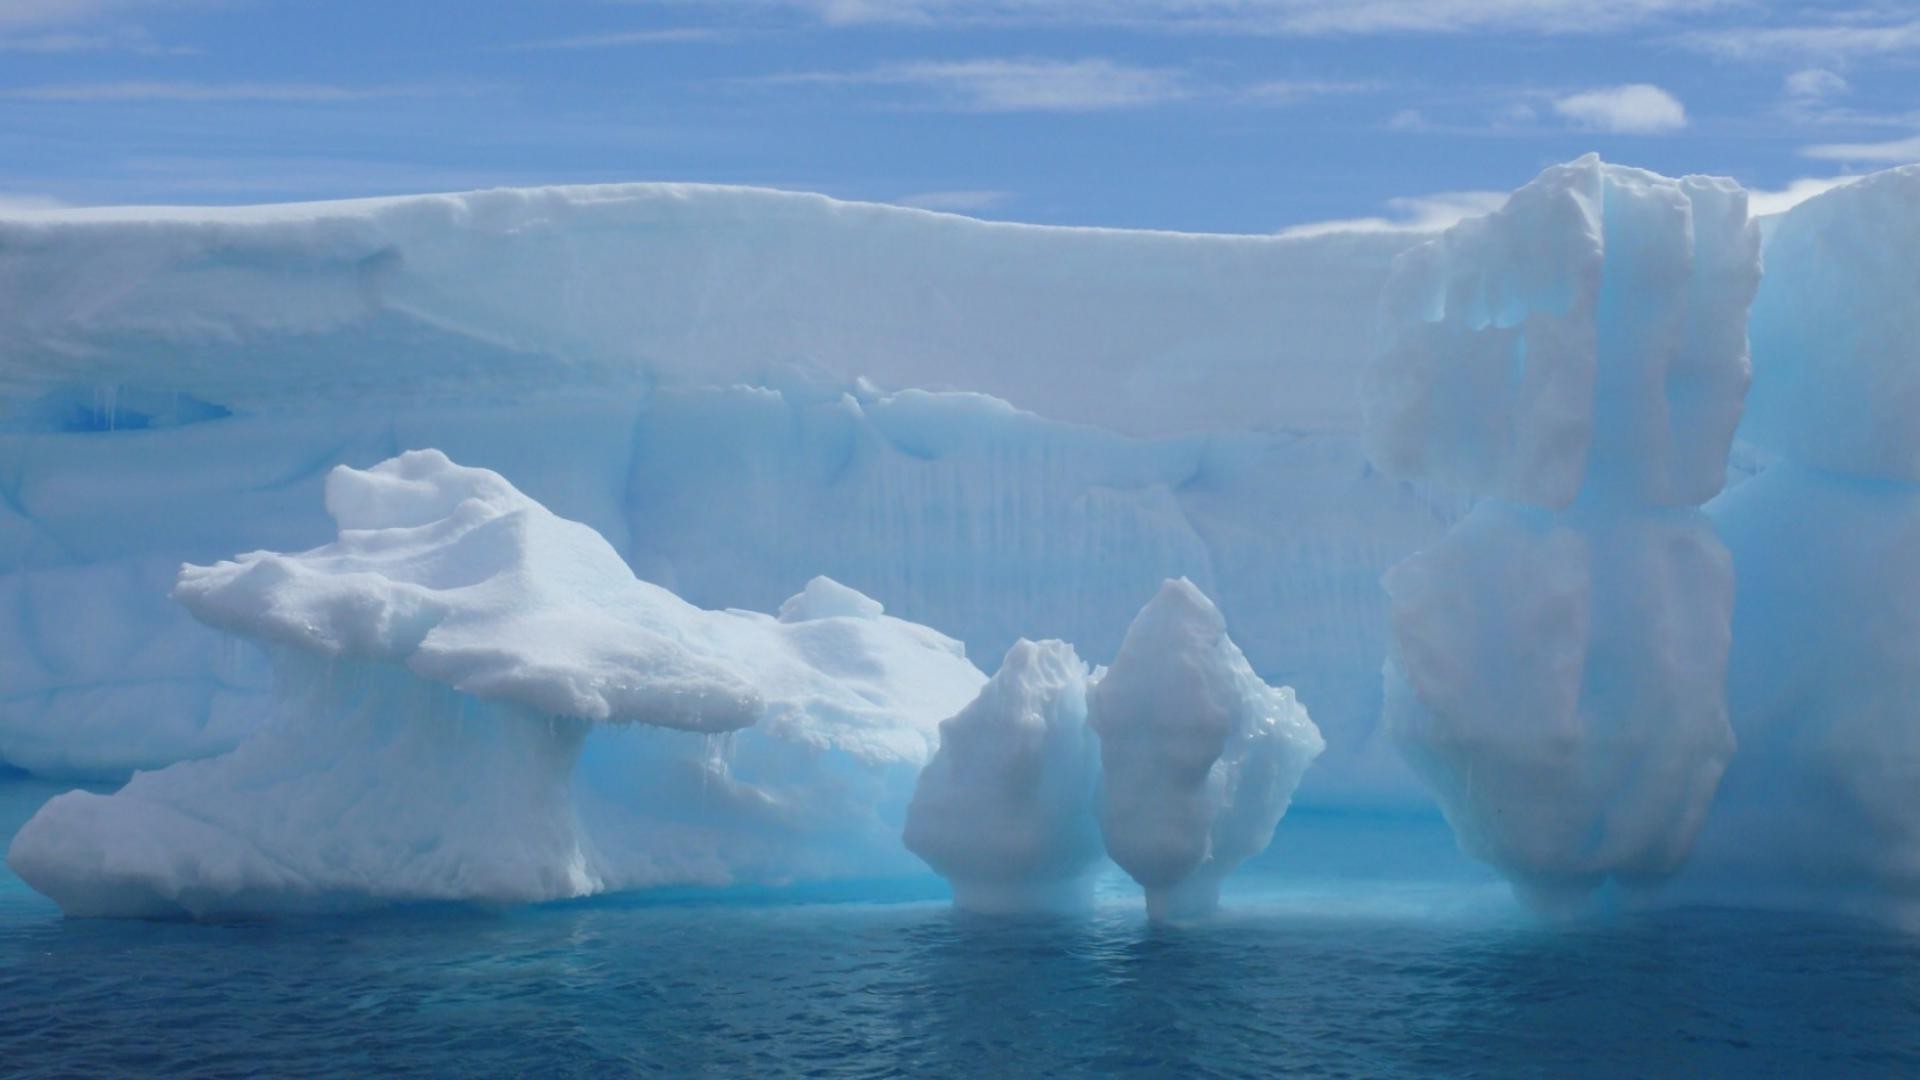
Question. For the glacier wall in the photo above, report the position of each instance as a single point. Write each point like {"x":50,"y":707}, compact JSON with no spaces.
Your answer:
{"x":997,"y":430}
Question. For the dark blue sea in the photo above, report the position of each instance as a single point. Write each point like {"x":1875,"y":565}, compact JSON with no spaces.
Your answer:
{"x":1361,"y":947}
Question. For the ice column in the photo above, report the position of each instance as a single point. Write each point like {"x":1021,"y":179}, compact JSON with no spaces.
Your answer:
{"x":1200,"y":757}
{"x":1004,"y":811}
{"x":1577,"y":359}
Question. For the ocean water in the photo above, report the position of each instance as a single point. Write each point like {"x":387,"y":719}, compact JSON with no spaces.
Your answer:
{"x":1363,"y":947}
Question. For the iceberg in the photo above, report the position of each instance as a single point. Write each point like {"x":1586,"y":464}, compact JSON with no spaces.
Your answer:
{"x":1005,"y":810}
{"x":1199,"y":757}
{"x":1557,"y":664}
{"x":438,"y":669}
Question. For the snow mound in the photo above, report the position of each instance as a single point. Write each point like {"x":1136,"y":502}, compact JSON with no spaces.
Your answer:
{"x":1557,"y":663}
{"x":439,"y":668}
{"x":1589,"y":333}
{"x":1199,"y":756}
{"x":1005,"y":809}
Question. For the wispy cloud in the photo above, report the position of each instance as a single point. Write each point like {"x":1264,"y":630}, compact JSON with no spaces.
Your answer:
{"x":1813,"y":85}
{"x":1034,"y":84}
{"x":1635,"y":109}
{"x":956,"y":201}
{"x":1834,"y":41}
{"x":1892,"y":152}
{"x":31,"y":13}
{"x":1283,"y":92}
{"x":118,"y":39}
{"x":677,"y":35}
{"x":1294,"y":17}
{"x":1024,"y":84}
{"x":291,"y":92}
{"x":14,"y":203}
{"x":1418,"y":213}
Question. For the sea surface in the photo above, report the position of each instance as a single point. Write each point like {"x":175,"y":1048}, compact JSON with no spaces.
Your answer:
{"x":1362,"y":947}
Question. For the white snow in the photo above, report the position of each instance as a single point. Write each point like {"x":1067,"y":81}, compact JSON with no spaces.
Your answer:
{"x":1199,"y":757}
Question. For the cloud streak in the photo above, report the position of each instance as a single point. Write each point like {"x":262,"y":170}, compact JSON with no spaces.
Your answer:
{"x":1891,"y":152}
{"x":1036,"y":84}
{"x":1026,"y":84}
{"x":1827,"y":42}
{"x":198,"y":92}
{"x":1415,"y":213}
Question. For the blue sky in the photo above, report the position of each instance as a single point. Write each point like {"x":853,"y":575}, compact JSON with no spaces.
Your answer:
{"x":1226,"y":115}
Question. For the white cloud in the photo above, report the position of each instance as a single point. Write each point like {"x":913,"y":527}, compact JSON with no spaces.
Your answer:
{"x":956,"y":201}
{"x":1019,"y":84}
{"x":1635,"y":109}
{"x":1779,"y":202}
{"x":1893,"y":152}
{"x":1299,"y":17}
{"x":1835,"y":41}
{"x":315,"y":93}
{"x":1420,"y":213}
{"x":1814,"y":84}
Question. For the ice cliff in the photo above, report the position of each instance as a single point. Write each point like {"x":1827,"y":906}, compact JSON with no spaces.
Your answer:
{"x":1002,"y":431}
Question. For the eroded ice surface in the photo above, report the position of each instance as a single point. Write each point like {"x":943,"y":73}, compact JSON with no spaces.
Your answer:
{"x":438,"y":668}
{"x":1558,"y":661}
{"x":1005,"y":810}
{"x":1199,"y":757}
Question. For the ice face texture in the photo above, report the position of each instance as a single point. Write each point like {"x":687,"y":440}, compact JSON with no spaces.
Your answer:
{"x":1836,"y":334}
{"x":1557,"y":662}
{"x":1005,"y":810}
{"x":1200,"y":757}
{"x":1560,"y":685}
{"x":1587,"y":337}
{"x":1820,"y":806}
{"x":439,"y":668}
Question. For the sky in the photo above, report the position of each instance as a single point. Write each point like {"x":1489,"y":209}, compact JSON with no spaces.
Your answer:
{"x":1246,"y":116}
